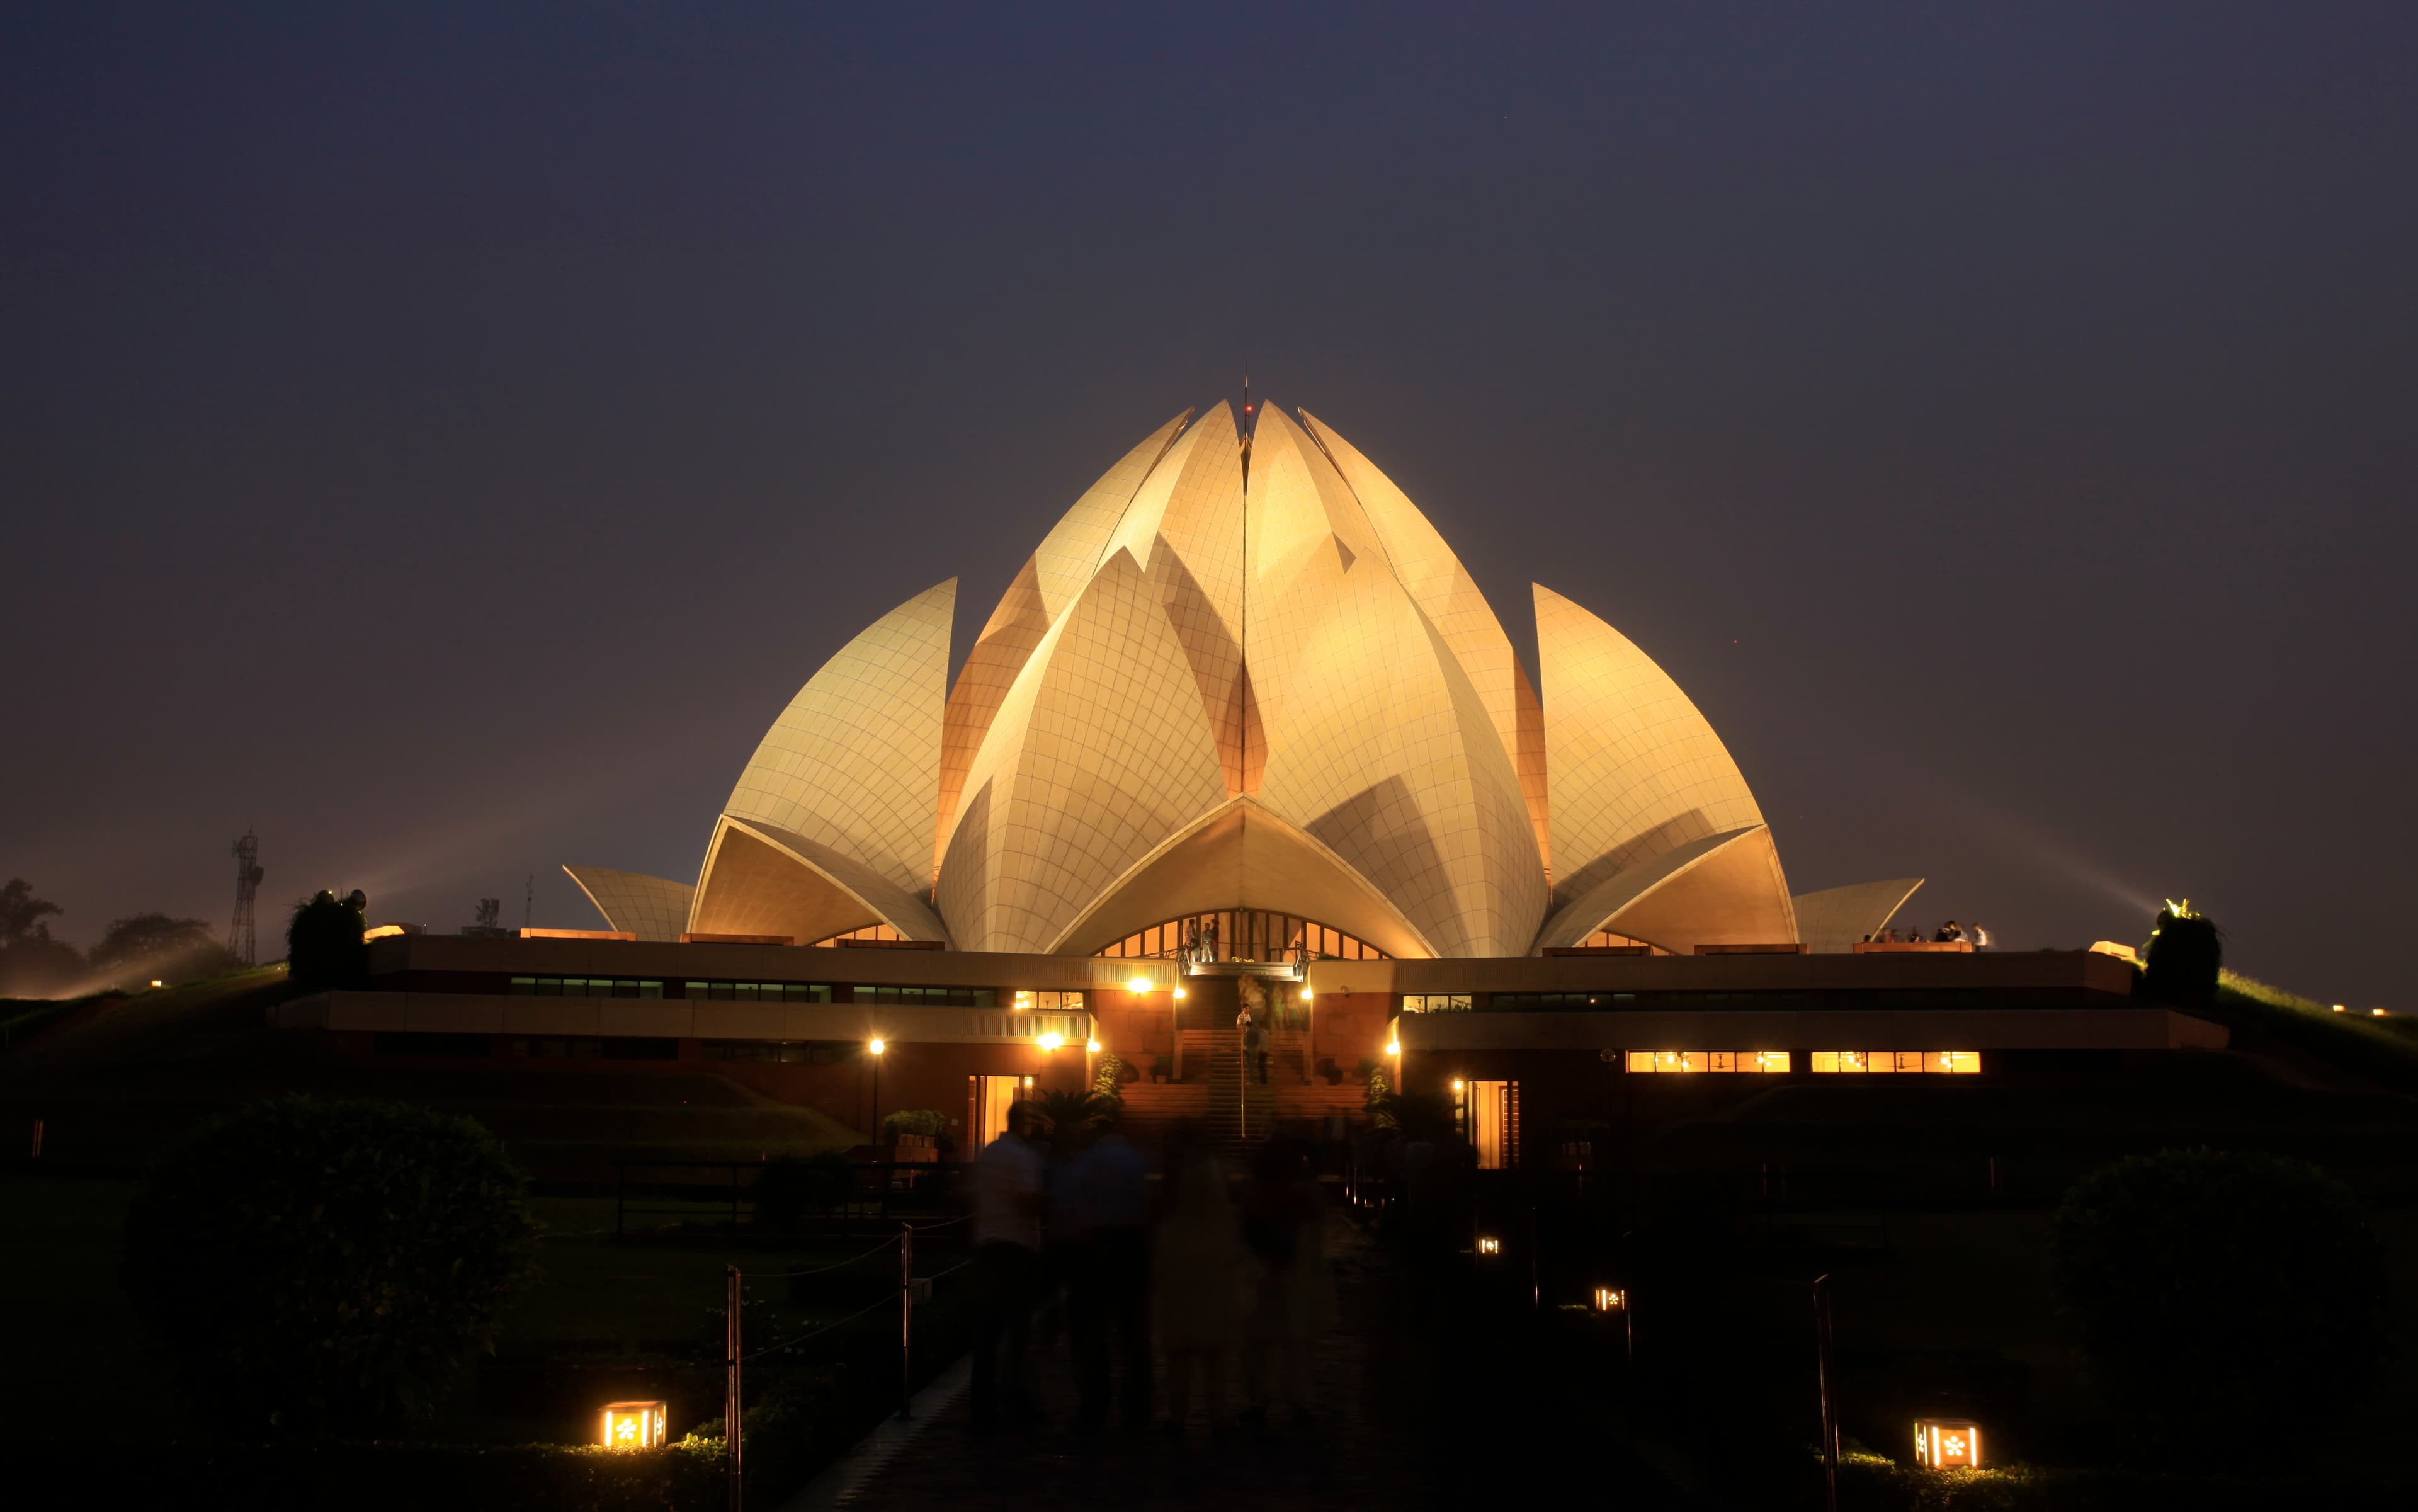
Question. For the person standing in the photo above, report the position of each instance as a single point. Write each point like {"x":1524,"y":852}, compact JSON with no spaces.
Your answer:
{"x":1010,"y":1192}
{"x":1285,"y":1222}
{"x":1980,"y":936}
{"x":1109,"y":1289}
{"x":1196,"y":1267}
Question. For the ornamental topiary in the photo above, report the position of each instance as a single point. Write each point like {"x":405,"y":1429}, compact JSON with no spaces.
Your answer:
{"x":2232,"y":1300}
{"x":326,"y":1266}
{"x":2181,"y":961}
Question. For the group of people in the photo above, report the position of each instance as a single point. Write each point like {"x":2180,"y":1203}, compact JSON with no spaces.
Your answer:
{"x":1182,"y":1273}
{"x":1947,"y":934}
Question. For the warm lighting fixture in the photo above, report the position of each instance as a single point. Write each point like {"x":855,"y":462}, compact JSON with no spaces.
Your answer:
{"x":878,"y":1046}
{"x":1456,"y":1084}
{"x":1028,"y":1081}
{"x":1306,"y":993}
{"x":1609,"y":1299}
{"x":2338,"y":1007}
{"x":1489,"y":1244}
{"x":2377,"y":1012}
{"x":1139,"y":983}
{"x":1948,"y":1443}
{"x":1091,"y":1047}
{"x":1393,"y":1046}
{"x":1051,"y":1040}
{"x":1179,"y":994}
{"x":633,"y":1426}
{"x":1023,"y":1001}
{"x":154,"y":980}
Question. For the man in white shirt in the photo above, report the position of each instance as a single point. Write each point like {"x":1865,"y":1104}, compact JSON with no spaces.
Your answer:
{"x":1009,"y":1194}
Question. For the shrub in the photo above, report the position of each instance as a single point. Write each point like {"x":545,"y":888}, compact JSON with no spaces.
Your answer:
{"x":1109,"y":1081}
{"x":1070,"y":1112}
{"x":928,"y":1121}
{"x":321,"y":1266}
{"x":789,"y":1188}
{"x":323,"y":943}
{"x":2181,"y":961}
{"x":2232,"y":1299}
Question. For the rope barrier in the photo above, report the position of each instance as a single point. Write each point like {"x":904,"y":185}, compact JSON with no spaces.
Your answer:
{"x":891,"y":1300}
{"x":784,"y":1275}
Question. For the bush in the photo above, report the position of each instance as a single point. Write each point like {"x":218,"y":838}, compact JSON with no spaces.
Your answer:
{"x":324,"y":1266}
{"x":323,"y":943}
{"x":2232,"y":1299}
{"x":2181,"y":961}
{"x":789,"y":1188}
{"x":928,"y":1121}
{"x":1108,"y":1079}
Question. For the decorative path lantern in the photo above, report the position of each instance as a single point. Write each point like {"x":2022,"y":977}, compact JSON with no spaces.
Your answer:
{"x":634,"y":1426}
{"x":1489,"y":1244}
{"x":1948,"y":1443}
{"x":1610,"y":1299}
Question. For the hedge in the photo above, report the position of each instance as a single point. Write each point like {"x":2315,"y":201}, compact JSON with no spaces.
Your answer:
{"x":1868,"y":1483}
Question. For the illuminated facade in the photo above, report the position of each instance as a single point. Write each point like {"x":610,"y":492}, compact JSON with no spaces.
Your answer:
{"x":1242,"y":703}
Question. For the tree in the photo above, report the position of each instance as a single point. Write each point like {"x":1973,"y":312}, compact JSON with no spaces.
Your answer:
{"x":21,"y":913}
{"x":323,"y":942}
{"x":155,"y":945}
{"x":327,"y":1266}
{"x":32,"y":964}
{"x":2232,"y":1300}
{"x":2181,"y":961}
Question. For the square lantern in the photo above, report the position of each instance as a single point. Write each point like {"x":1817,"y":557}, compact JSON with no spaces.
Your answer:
{"x":1610,"y":1299}
{"x":634,"y":1426}
{"x":1948,"y":1443}
{"x":1489,"y":1244}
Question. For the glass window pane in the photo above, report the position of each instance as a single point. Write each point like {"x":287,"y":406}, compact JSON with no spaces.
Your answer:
{"x":1640,"y":1061}
{"x":1825,"y":1062}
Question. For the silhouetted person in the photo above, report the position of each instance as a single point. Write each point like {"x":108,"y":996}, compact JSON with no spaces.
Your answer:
{"x":1196,"y":1264}
{"x":1109,"y":1284}
{"x":1285,"y":1222}
{"x":1979,"y":936}
{"x":1009,"y":1196}
{"x":1948,"y":934}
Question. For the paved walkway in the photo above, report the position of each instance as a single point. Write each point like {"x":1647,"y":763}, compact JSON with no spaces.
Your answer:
{"x":1409,"y":1416}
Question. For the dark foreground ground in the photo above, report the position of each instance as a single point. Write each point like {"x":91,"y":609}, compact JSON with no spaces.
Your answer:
{"x":1424,"y":1398}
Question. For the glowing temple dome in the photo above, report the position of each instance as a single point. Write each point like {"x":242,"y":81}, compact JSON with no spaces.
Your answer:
{"x":1243,"y":673}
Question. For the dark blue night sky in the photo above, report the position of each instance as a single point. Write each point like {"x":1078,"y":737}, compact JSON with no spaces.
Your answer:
{"x":445,"y":436}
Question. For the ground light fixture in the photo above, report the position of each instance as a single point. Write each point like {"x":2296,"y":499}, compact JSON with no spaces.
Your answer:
{"x":633,"y":1426}
{"x":1948,"y":1443}
{"x":2376,"y":1013}
{"x":1610,"y":1299}
{"x":1489,"y":1244}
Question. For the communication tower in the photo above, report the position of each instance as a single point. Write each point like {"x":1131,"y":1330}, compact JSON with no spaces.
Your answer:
{"x":242,"y":935}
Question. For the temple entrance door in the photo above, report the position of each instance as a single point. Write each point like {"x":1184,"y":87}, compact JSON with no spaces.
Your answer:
{"x":991,"y":1097}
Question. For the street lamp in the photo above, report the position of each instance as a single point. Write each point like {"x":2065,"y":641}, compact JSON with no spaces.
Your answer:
{"x":877,"y":1046}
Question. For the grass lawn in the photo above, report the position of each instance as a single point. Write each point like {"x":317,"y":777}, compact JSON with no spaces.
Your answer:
{"x":598,"y":1308}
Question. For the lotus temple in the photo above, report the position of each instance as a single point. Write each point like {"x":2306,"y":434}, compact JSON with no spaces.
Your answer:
{"x":1244,"y":784}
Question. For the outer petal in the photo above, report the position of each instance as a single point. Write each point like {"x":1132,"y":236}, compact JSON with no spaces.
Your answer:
{"x":1831,"y":922}
{"x":650,"y":907}
{"x":853,"y":763}
{"x":1635,"y":770}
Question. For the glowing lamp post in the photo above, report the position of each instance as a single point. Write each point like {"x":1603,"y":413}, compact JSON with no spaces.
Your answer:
{"x":633,"y":1426}
{"x":877,"y":1046}
{"x":1948,"y":1443}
